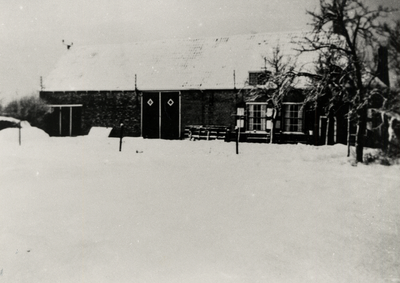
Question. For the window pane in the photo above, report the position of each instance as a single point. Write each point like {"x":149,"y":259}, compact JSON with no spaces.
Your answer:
{"x":256,"y":117}
{"x":293,"y":118}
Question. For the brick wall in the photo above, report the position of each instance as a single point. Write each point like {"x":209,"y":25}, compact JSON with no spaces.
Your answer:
{"x":210,"y":107}
{"x":102,"y":108}
{"x":108,"y":108}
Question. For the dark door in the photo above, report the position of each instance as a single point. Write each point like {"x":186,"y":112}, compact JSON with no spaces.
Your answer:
{"x":65,"y":121}
{"x":151,"y":115}
{"x":170,"y":115}
{"x":60,"y":122}
{"x":76,"y":120}
{"x":323,"y":126}
{"x":53,"y":122}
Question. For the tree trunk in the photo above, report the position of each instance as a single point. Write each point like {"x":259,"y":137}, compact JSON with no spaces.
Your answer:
{"x":316,"y":126}
{"x":384,"y":132}
{"x":327,"y":129}
{"x":348,"y":132}
{"x":361,"y":128}
{"x":271,"y":135}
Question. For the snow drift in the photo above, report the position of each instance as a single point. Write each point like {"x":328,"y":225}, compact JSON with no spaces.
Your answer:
{"x":28,"y":134}
{"x":181,"y":211}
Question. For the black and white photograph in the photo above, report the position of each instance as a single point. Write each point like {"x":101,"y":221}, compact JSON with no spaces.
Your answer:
{"x":214,"y":141}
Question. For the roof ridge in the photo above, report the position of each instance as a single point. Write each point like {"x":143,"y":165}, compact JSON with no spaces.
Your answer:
{"x":288,"y":32}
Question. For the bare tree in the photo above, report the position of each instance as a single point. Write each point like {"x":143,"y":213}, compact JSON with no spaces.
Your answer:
{"x":282,"y":77}
{"x":276,"y":82}
{"x":393,"y":33}
{"x":348,"y":29}
{"x":29,"y":108}
{"x":390,"y":108}
{"x":331,"y":89}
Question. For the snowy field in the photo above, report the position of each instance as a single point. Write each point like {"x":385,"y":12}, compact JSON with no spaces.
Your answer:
{"x":78,"y":210}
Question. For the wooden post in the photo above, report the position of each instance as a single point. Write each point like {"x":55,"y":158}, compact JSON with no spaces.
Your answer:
{"x":316,"y":135}
{"x":19,"y":132}
{"x":121,"y":135}
{"x":70,"y":121}
{"x":234,"y":79}
{"x":271,"y":134}
{"x":159,"y":115}
{"x":237,"y":139}
{"x":239,"y":118}
{"x":60,"y":121}
{"x":327,"y":129}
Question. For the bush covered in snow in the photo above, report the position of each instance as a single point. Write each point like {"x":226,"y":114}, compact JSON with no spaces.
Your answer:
{"x":30,"y":108}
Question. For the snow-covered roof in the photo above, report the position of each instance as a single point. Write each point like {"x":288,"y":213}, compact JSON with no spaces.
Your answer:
{"x":9,"y":122}
{"x":9,"y":119}
{"x":205,"y":63}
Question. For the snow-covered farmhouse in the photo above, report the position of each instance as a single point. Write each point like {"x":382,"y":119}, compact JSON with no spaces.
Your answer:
{"x":163,"y":89}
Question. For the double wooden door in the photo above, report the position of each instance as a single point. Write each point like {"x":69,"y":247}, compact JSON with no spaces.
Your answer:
{"x":161,"y":117}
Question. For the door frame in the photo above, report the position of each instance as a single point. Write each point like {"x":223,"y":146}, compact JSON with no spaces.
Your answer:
{"x":70,"y":122}
{"x":160,"y":111}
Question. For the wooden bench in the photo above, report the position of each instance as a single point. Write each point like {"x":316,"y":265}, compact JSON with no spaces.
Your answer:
{"x":261,"y":137}
{"x":200,"y":132}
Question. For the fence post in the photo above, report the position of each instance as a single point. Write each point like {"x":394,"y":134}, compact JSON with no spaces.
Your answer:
{"x":19,"y":132}
{"x":237,"y":139}
{"x":121,"y":135}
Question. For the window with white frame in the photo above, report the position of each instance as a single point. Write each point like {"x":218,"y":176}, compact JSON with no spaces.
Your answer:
{"x":293,"y":117}
{"x":257,"y":117}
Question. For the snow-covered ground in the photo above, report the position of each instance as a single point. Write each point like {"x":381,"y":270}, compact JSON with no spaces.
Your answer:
{"x":78,"y":210}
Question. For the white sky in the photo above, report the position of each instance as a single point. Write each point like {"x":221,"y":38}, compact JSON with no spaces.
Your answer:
{"x":31,"y":31}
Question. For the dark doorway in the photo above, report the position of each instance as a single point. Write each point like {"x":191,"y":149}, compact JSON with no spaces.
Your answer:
{"x":64,"y":120}
{"x":76,"y":121}
{"x":150,"y":113}
{"x":323,"y":123}
{"x":53,"y":122}
{"x":170,"y":115}
{"x":161,"y":115}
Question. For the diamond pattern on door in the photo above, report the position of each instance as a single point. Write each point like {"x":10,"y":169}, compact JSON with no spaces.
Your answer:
{"x":151,"y":113}
{"x":161,"y":115}
{"x":170,"y":102}
{"x":170,"y":115}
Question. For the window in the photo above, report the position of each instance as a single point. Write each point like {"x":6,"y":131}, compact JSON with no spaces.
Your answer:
{"x":258,"y":78}
{"x":293,"y":117}
{"x":257,"y":117}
